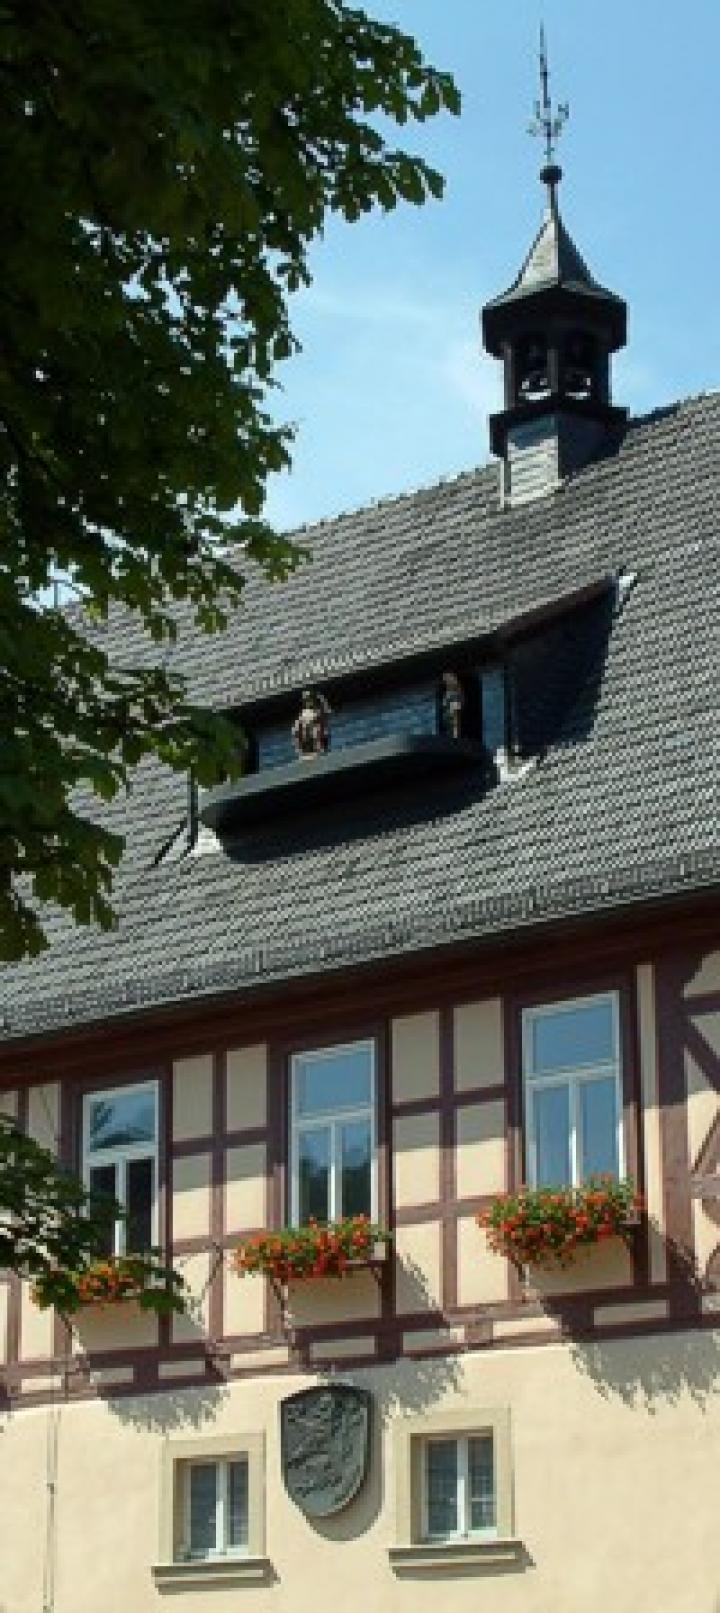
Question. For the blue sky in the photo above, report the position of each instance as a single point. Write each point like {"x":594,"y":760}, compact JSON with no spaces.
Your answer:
{"x":392,"y":391}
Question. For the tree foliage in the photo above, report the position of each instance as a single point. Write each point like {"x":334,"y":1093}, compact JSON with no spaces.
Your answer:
{"x":53,"y":1231}
{"x":164,"y":170}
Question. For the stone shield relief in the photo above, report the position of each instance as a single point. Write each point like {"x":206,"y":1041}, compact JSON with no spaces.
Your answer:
{"x":325,"y":1446}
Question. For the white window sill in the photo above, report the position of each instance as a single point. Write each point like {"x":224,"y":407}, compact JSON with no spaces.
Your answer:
{"x":436,"y":1554}
{"x":211,"y":1571}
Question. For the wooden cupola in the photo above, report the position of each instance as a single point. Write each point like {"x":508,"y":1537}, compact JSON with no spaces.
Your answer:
{"x":554,"y":330}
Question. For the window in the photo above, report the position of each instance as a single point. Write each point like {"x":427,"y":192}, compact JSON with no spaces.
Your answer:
{"x":212,"y":1524}
{"x":533,"y":376}
{"x":120,"y":1130}
{"x":333,"y":1133}
{"x":495,"y":713}
{"x":459,"y":1488}
{"x":580,"y":360}
{"x":410,"y":709}
{"x":216,"y":1508}
{"x":571,"y":1062}
{"x":453,"y":1490}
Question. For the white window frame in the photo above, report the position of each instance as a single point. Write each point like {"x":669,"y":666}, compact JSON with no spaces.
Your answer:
{"x":463,"y":1531}
{"x":222,"y":1548}
{"x":574,"y":1079}
{"x":333,"y":1119}
{"x":173,"y":1567}
{"x":121,"y":1157}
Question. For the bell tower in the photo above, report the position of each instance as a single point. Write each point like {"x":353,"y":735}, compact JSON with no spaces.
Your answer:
{"x":555,"y":331}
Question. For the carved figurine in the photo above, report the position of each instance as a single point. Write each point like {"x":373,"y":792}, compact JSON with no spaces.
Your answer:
{"x":311,"y":730}
{"x":452,"y":701}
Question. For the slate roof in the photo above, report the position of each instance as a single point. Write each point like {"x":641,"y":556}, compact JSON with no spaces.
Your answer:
{"x":553,"y":265}
{"x":622,"y":805}
{"x":553,"y":259}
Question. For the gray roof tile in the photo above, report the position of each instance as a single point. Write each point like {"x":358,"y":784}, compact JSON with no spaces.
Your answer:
{"x":621,"y":806}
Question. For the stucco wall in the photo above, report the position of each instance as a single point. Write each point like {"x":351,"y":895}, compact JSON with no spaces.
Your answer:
{"x":614,"y":1462}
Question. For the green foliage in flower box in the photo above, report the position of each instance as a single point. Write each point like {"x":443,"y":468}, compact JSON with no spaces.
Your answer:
{"x":314,"y":1250}
{"x":546,"y":1226}
{"x":116,"y":1280}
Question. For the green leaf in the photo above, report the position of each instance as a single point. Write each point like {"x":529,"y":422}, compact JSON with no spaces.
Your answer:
{"x":162,"y":190}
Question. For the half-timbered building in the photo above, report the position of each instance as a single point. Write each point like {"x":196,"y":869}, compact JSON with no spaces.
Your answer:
{"x":454,"y":929}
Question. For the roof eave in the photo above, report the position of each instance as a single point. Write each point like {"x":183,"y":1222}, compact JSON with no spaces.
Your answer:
{"x":505,"y":317}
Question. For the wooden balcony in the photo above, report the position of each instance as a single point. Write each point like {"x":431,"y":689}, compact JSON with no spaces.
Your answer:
{"x":318,"y":781}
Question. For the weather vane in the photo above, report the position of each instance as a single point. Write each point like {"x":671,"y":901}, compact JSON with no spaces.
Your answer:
{"x":549,"y":122}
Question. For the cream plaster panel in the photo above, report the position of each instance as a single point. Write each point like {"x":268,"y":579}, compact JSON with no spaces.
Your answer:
{"x":339,"y":1349}
{"x":247,"y":1088}
{"x":110,"y":1377}
{"x":645,"y":1412}
{"x":191,"y":1327}
{"x":192,"y":1367}
{"x":702,"y":1106}
{"x":44,"y":1115}
{"x":325,"y":1301}
{"x":36,"y":1329}
{"x":416,"y":1159}
{"x":244,"y":1303}
{"x":42,"y":1385}
{"x":706,"y":1232}
{"x":523,"y":1326}
{"x":415,"y":1057}
{"x":192,"y":1114}
{"x":479,"y":1044}
{"x":649,"y":1310}
{"x":260,"y":1360}
{"x":245,"y":1204}
{"x":707,"y":977}
{"x":482,"y":1276}
{"x":480,"y":1158}
{"x":602,"y":1265}
{"x":421,"y":1339}
{"x":4,"y":1308}
{"x":191,"y":1197}
{"x":8,"y":1104}
{"x":708,"y":1026}
{"x":418,"y":1282}
{"x":113,"y":1327}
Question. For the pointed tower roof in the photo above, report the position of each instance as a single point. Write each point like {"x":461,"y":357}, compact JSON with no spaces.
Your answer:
{"x":553,"y":257}
{"x":555,"y":330}
{"x":554,"y":274}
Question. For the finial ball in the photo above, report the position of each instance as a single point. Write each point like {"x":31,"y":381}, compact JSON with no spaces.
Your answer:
{"x":551,"y":174}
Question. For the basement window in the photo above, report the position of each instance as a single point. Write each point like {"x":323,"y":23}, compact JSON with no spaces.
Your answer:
{"x":459,"y":1492}
{"x":212,"y":1524}
{"x":454,"y":1492}
{"x":215,"y":1507}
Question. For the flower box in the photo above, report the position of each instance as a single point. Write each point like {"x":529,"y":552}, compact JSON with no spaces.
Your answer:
{"x":135,"y":1281}
{"x":549,"y":1226}
{"x":297,"y":1254}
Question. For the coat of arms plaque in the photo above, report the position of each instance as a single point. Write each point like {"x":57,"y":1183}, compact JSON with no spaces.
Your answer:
{"x":325,"y":1446}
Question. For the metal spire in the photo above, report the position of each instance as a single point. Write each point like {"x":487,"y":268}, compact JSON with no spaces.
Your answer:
{"x":549,"y":120}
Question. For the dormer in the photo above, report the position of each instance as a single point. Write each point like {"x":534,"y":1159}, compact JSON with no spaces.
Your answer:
{"x":476,"y":711}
